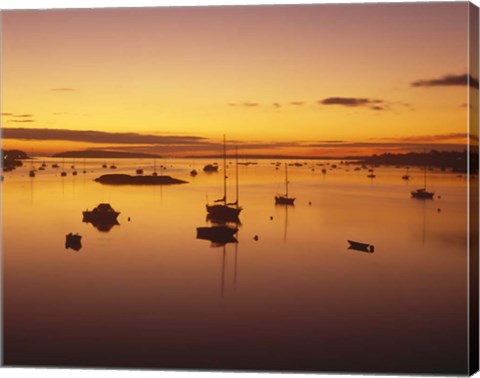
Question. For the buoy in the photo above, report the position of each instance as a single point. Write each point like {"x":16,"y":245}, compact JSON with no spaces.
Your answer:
{"x":129,"y":219}
{"x":271,"y":217}
{"x":309,"y":204}
{"x":255,"y":238}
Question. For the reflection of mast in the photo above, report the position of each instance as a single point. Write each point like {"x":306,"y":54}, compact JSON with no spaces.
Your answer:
{"x":235,"y":267}
{"x":286,"y":225}
{"x":223,"y":271}
{"x":424,"y":228}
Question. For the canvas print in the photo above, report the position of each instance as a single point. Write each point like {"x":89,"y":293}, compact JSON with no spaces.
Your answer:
{"x":253,"y":188}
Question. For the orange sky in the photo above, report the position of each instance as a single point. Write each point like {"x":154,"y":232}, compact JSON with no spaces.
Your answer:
{"x":279,"y":79}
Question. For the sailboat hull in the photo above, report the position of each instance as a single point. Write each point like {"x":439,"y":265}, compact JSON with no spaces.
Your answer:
{"x":422,"y":194}
{"x":284,"y":200}
{"x":223,"y":211}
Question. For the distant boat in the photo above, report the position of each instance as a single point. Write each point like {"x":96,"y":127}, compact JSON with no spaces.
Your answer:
{"x":406,"y":176}
{"x":63,"y":169}
{"x":222,"y":209}
{"x":193,"y":172}
{"x":63,"y":174}
{"x":44,"y":164}
{"x":371,"y":175}
{"x":55,"y":166}
{"x":285,"y":199}
{"x":210,"y":168}
{"x":361,"y":246}
{"x":422,"y":193}
{"x":139,"y":171}
{"x":104,"y":166}
{"x":154,"y":168}
{"x":73,"y":241}
{"x":102,"y":213}
{"x":324,"y":171}
{"x":32,"y":173}
{"x":113,"y":166}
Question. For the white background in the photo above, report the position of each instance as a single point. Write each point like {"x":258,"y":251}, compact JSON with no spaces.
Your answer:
{"x":83,"y":373}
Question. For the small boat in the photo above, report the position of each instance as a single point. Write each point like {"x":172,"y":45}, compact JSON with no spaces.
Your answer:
{"x":371,"y":175}
{"x":102,"y":213}
{"x":406,"y":176}
{"x":193,"y":172}
{"x":113,"y":166}
{"x":73,"y":241}
{"x":63,"y":174}
{"x":422,"y":193}
{"x":324,"y":171}
{"x":365,"y":247}
{"x":139,"y":171}
{"x":221,"y":209}
{"x":285,"y":199}
{"x":74,"y":173}
{"x":32,"y":173}
{"x":104,"y":165}
{"x":44,"y":164}
{"x":42,"y":168}
{"x":210,"y":168}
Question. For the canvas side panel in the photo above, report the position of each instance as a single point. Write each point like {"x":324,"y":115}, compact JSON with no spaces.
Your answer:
{"x":473,"y":222}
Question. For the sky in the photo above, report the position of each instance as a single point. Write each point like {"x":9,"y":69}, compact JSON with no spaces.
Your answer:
{"x":304,"y":80}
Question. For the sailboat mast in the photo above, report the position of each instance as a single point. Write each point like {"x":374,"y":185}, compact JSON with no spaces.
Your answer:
{"x":224,"y":170}
{"x":286,"y":181}
{"x":425,"y":170}
{"x":236,"y":175}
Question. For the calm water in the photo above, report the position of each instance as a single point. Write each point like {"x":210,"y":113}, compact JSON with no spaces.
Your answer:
{"x":149,"y":294}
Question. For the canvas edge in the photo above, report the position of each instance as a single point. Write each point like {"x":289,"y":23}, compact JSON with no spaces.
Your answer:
{"x":473,"y":211}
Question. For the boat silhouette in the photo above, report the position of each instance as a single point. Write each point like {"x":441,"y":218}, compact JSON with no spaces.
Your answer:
{"x":221,"y":209}
{"x":285,"y":199}
{"x":211,"y":168}
{"x":422,"y":193}
{"x":73,"y":241}
{"x":103,"y":216}
{"x":364,"y":247}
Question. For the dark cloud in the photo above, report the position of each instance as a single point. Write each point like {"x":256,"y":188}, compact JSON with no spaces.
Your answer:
{"x":63,"y":89}
{"x":297,"y":103}
{"x":448,"y":80}
{"x":22,"y":115}
{"x":426,"y":138}
{"x":351,"y":101}
{"x":20,"y":121}
{"x":95,"y":136}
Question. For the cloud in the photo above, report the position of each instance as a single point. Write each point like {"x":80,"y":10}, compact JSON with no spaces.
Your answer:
{"x":378,"y":107}
{"x":95,"y":136}
{"x":63,"y":89}
{"x":297,"y":103}
{"x":22,"y":115}
{"x":6,"y":114}
{"x":352,"y":101}
{"x":448,"y":80}
{"x":277,"y":105}
{"x":244,"y":104}
{"x":426,"y":138}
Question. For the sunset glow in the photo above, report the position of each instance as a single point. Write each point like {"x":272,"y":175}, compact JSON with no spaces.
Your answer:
{"x":320,"y":80}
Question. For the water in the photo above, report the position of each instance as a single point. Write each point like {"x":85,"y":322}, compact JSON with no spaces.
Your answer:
{"x":149,"y":294}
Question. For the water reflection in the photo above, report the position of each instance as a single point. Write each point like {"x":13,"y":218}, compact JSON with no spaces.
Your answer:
{"x":218,"y":235}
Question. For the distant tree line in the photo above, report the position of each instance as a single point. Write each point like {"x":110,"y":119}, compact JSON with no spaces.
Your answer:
{"x":453,"y":160}
{"x":12,"y":159}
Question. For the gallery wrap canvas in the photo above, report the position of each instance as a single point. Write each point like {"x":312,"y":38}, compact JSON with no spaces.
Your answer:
{"x":282,"y":188}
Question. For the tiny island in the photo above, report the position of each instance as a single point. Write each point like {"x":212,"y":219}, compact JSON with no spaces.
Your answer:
{"x":122,"y":179}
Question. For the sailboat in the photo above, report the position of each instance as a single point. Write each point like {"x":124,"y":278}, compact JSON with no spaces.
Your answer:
{"x":221,"y":209}
{"x":285,"y":199}
{"x":406,"y":176}
{"x":422,"y":193}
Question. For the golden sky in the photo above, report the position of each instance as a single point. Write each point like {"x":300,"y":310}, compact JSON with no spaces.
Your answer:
{"x":309,"y":80}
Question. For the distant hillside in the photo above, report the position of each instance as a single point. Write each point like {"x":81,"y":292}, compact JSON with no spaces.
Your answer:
{"x":89,"y":154}
{"x":12,"y":159}
{"x":456,"y":161}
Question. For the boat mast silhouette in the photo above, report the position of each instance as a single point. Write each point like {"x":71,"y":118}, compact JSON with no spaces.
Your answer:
{"x":221,"y":209}
{"x":422,"y":193}
{"x":285,"y":199}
